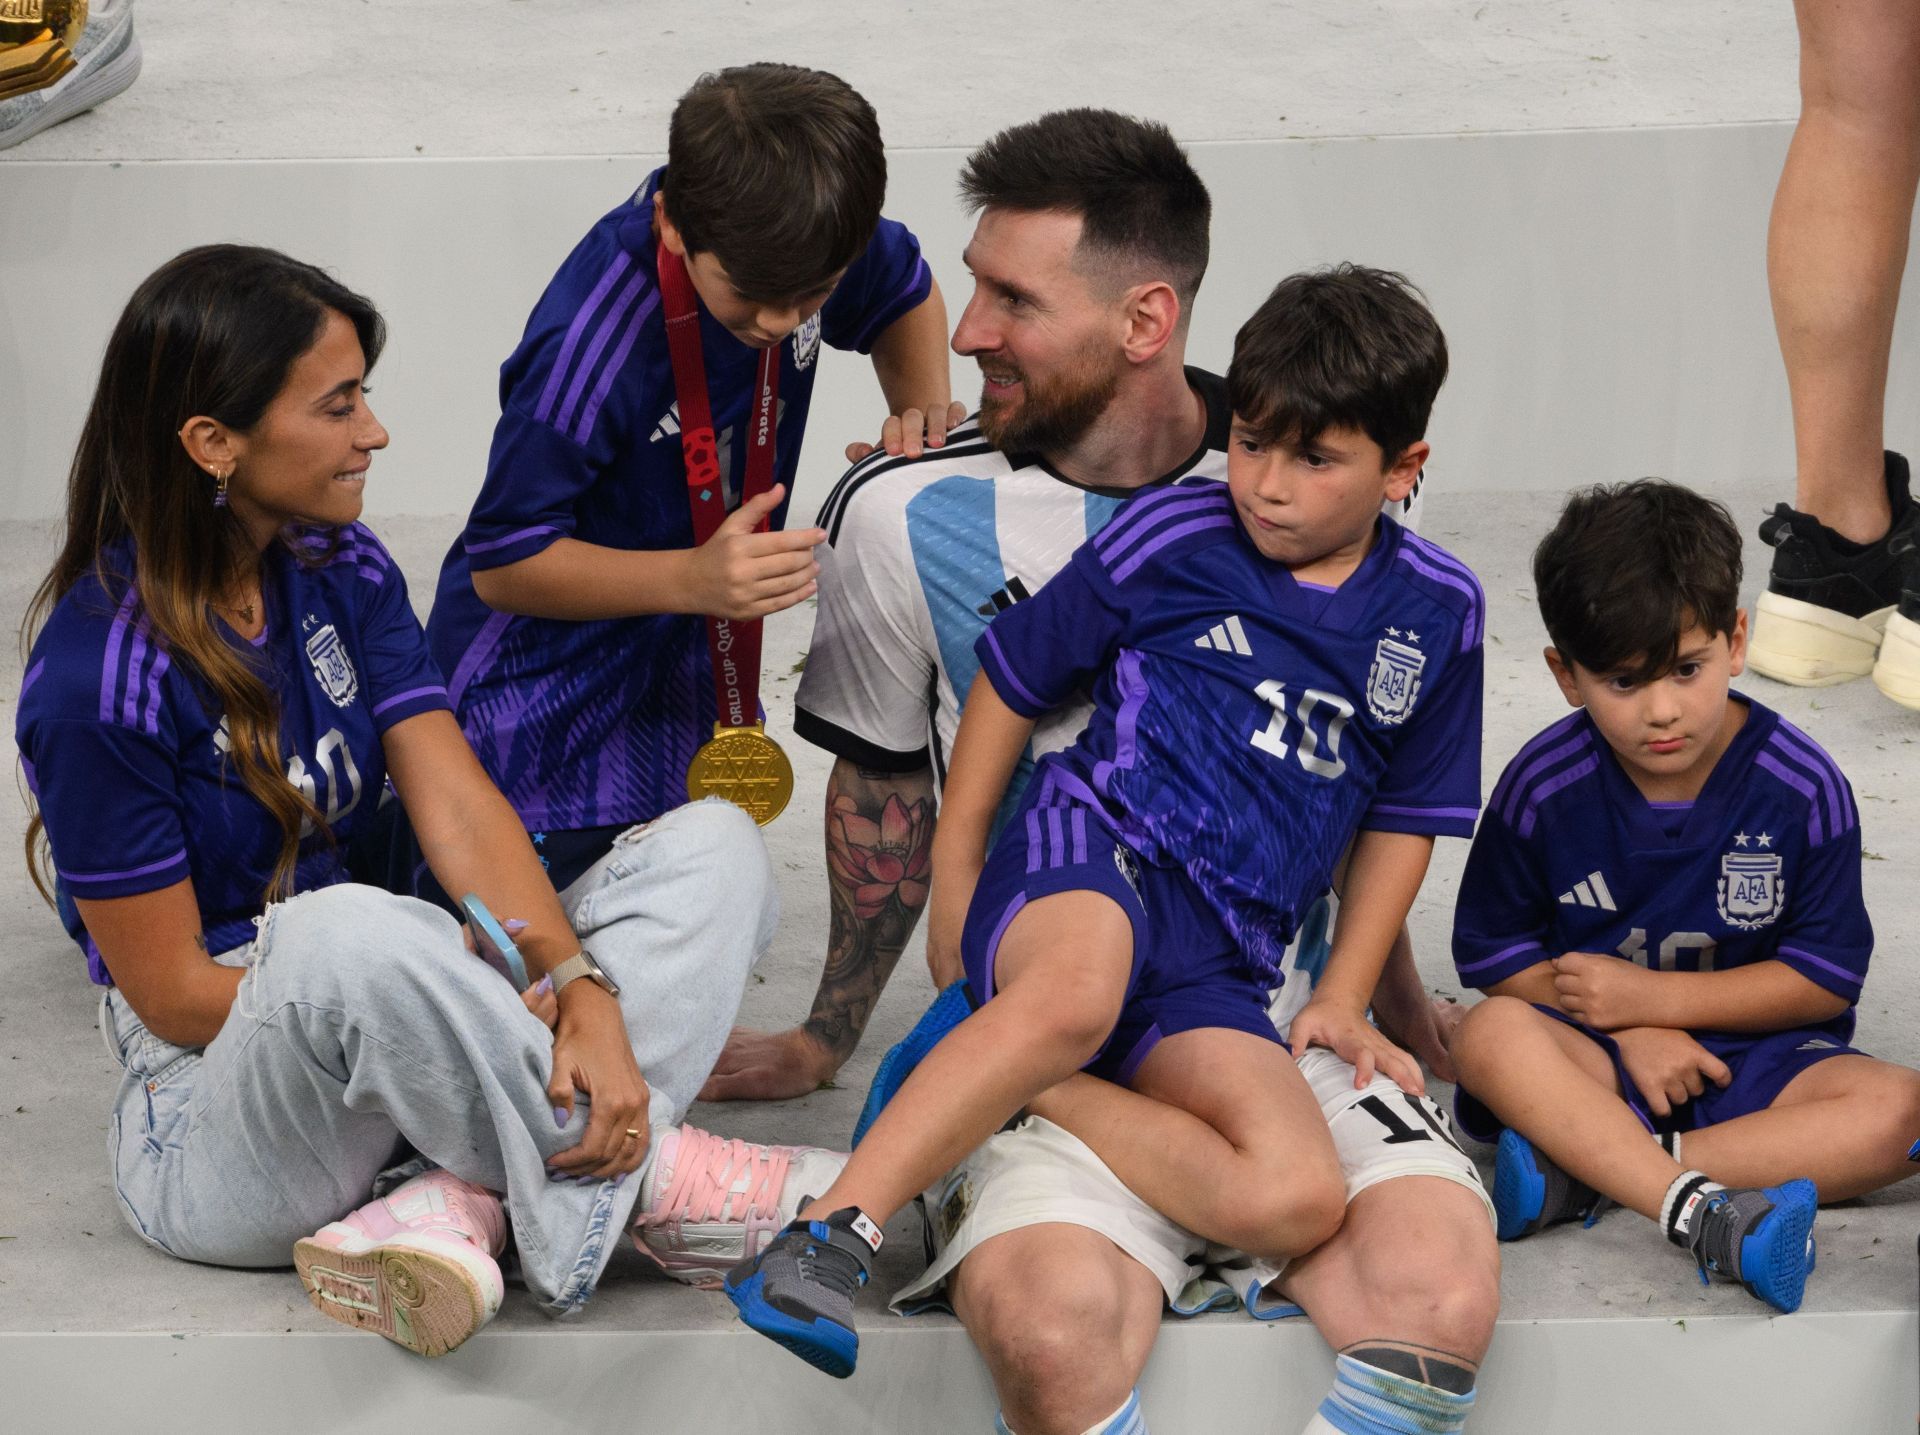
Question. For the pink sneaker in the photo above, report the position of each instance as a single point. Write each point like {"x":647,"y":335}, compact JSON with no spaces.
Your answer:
{"x":418,"y":1265}
{"x":707,"y":1203}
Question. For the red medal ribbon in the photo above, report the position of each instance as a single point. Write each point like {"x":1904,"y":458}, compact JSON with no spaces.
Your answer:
{"x":733,"y":646}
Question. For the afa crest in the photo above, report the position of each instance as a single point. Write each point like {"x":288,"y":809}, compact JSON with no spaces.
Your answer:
{"x":806,"y":342}
{"x":1394,"y":680}
{"x":1752,"y":890}
{"x":331,"y":666}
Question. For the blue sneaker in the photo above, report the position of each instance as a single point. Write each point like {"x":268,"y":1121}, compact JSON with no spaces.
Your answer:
{"x":1762,"y":1238}
{"x":798,"y":1291}
{"x":1530,"y":1193}
{"x":949,"y":1009}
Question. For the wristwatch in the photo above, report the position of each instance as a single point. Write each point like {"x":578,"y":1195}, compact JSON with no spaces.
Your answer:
{"x":582,"y":964}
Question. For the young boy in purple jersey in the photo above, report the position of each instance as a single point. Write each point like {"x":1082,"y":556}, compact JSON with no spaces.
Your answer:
{"x":1664,"y":903}
{"x":1282,"y":676}
{"x":569,"y":614}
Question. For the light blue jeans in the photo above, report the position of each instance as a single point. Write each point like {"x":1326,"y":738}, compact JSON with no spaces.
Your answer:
{"x":363,"y":1021}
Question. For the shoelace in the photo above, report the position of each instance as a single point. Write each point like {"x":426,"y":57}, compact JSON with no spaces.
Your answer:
{"x":706,"y":1171}
{"x":823,"y":1263}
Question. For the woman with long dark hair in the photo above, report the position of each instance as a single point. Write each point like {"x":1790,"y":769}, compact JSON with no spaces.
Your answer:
{"x":225,"y":675}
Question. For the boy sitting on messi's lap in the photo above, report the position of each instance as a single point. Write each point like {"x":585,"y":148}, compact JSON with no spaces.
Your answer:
{"x":1132,"y":917}
{"x":1664,"y":903}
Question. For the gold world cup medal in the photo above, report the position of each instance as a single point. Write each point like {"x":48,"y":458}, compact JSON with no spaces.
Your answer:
{"x":37,"y":38}
{"x":745,"y":766}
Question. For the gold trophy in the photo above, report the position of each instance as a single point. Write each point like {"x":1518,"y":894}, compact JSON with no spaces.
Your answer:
{"x":36,"y":42}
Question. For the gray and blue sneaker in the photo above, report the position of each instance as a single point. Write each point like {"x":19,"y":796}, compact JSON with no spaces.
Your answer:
{"x":64,"y":75}
{"x":798,"y":1291}
{"x":949,"y":1009}
{"x":1530,"y":1193}
{"x":1761,"y":1237}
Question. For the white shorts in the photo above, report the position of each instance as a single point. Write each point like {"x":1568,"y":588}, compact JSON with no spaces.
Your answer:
{"x":1037,"y":1173}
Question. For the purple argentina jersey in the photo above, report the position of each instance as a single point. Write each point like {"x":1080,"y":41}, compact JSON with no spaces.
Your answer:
{"x":592,"y":724}
{"x":1763,"y":866}
{"x":1241,"y":730}
{"x":128,"y":762}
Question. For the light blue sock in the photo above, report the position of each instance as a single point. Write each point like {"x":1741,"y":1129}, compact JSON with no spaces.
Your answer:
{"x":1369,"y":1401}
{"x":1127,"y":1420}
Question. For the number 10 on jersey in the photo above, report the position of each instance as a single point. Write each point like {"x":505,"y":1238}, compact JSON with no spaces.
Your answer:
{"x":1318,"y":748}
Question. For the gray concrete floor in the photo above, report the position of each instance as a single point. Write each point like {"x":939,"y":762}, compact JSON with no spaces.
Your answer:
{"x":67,"y":1263}
{"x":283,"y":79}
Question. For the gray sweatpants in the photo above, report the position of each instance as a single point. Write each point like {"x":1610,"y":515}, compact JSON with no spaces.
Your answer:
{"x":364,"y":1020}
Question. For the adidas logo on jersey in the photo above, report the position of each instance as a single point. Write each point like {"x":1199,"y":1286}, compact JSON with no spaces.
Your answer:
{"x":1590,"y":893}
{"x":1014,"y":592}
{"x":669,"y":425}
{"x":1227,"y":637}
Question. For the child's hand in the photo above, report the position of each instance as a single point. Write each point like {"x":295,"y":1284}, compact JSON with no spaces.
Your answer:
{"x":946,"y":920}
{"x":912,"y":432}
{"x":741,"y":574}
{"x":1351,"y":1037}
{"x":1668,"y":1066}
{"x":1606,"y":993}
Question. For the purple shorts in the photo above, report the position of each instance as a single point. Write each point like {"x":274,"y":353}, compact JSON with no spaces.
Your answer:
{"x":1187,"y":970}
{"x":1762,"y":1065}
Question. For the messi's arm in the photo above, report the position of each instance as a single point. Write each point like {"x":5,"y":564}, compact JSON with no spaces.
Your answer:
{"x":879,"y":837}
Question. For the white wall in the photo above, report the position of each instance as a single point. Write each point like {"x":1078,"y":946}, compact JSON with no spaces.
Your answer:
{"x":1603,"y":291}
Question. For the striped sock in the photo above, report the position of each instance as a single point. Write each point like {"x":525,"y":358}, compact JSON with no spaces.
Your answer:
{"x":1670,"y":1143}
{"x":1127,"y":1420}
{"x":1367,"y":1400}
{"x":1683,"y":1198}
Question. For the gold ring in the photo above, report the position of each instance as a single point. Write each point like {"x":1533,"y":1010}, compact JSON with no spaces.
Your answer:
{"x":634,"y":1134}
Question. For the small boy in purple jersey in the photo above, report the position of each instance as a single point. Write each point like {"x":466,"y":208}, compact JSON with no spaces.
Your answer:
{"x":1283,"y":680}
{"x":569,"y":613}
{"x":1664,"y":903}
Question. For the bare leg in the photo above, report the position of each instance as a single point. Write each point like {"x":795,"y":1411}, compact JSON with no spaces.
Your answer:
{"x":1837,"y":247}
{"x":1557,"y":1088}
{"x":1064,"y":1320}
{"x":1414,"y":1268}
{"x":1221,"y":1135}
{"x":1061,"y":970}
{"x":1847,"y":1123}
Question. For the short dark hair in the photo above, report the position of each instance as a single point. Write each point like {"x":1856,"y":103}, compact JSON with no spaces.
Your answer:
{"x":1342,"y":347}
{"x":778,"y":172}
{"x":1629,"y":568}
{"x":1136,"y":192}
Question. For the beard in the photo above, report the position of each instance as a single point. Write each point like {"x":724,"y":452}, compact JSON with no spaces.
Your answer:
{"x":1053,"y":413}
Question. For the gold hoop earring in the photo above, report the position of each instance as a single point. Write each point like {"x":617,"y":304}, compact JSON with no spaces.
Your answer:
{"x":220,"y":477}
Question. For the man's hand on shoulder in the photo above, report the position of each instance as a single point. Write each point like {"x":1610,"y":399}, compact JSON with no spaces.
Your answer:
{"x":769,"y":1066}
{"x":912,"y":432}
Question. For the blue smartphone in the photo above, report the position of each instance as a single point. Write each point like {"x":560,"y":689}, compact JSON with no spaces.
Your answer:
{"x":491,"y":941}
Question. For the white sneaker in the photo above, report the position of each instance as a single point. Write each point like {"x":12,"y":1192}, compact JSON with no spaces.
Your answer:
{"x":707,"y":1203}
{"x":103,"y":61}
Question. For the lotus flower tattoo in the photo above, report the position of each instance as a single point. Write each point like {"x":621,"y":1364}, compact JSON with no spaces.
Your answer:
{"x":888,"y":858}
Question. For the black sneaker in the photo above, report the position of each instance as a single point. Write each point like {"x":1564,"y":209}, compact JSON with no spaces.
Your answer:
{"x":1897,"y":672}
{"x":1828,"y":601}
